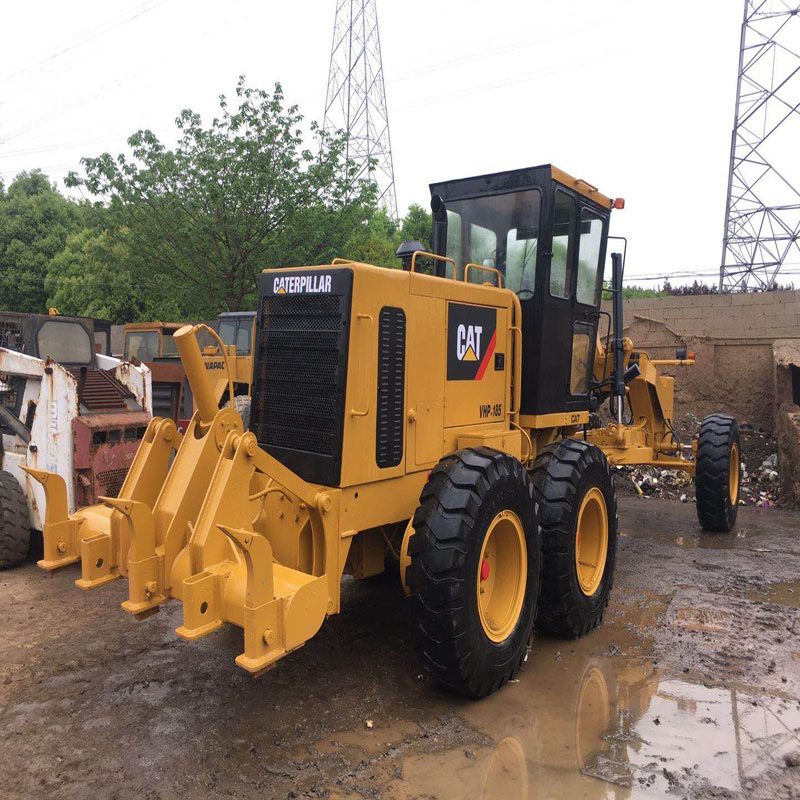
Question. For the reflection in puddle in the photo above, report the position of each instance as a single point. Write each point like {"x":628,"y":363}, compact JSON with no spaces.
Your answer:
{"x":607,"y":728}
{"x":591,"y":719}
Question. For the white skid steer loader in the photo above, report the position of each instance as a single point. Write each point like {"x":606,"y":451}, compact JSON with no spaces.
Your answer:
{"x":64,"y":408}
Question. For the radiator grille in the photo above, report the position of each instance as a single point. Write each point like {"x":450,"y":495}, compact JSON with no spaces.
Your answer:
{"x":110,"y":481}
{"x":299,"y":382}
{"x":391,"y":385}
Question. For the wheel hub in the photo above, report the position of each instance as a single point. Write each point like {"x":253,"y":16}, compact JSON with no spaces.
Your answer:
{"x":502,"y":576}
{"x":591,"y":541}
{"x":733,"y":475}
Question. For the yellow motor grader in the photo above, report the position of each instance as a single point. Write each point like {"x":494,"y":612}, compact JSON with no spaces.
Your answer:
{"x":445,"y":414}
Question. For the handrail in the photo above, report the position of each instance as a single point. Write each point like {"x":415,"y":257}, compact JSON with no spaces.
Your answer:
{"x":432,"y":255}
{"x":353,"y":412}
{"x":485,"y":269}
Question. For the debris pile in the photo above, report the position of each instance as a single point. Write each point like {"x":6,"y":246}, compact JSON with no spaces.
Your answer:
{"x":759,"y":470}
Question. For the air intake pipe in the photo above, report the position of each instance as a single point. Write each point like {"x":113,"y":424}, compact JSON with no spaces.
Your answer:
{"x":192,"y":359}
{"x":618,"y":383}
{"x":439,"y":242}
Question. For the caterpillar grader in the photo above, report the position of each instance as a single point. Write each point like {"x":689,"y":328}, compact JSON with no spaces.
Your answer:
{"x":446,"y":414}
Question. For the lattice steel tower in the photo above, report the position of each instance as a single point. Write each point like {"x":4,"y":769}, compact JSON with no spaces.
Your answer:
{"x":762,"y":215}
{"x":356,"y":97}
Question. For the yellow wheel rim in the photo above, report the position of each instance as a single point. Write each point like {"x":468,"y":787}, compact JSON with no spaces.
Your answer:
{"x":733,"y":474}
{"x":591,"y":541}
{"x":502,"y":576}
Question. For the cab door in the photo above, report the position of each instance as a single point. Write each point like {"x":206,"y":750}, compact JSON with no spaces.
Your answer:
{"x":570,"y":301}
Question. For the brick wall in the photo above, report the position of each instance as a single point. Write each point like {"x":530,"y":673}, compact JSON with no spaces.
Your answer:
{"x":732,"y":335}
{"x":757,"y":315}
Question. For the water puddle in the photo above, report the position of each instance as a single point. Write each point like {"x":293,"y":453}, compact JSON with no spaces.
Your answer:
{"x":591,"y":719}
{"x":782,"y":594}
{"x":715,"y":541}
{"x":607,"y":728}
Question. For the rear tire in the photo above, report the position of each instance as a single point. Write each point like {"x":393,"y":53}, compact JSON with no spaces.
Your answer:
{"x":15,"y":532}
{"x":718,"y":473}
{"x":476,"y":522}
{"x":573,"y":484}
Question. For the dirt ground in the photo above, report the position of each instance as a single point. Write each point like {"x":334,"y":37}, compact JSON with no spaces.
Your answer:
{"x":689,"y":689}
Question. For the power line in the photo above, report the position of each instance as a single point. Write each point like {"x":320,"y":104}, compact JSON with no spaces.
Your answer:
{"x":86,"y":36}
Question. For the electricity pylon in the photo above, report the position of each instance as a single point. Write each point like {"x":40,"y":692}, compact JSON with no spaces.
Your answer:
{"x":762,"y":214}
{"x":356,"y":96}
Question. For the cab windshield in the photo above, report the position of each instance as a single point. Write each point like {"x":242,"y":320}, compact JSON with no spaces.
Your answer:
{"x":500,"y":232}
{"x":65,"y":342}
{"x":142,"y":345}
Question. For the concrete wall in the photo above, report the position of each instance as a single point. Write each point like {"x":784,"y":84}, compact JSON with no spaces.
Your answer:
{"x":733,"y":337}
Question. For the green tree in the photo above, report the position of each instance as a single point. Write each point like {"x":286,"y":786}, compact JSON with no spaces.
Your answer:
{"x":417,"y":225}
{"x":203,"y":219}
{"x":35,"y":221}
{"x":374,"y":241}
{"x":92,"y":277}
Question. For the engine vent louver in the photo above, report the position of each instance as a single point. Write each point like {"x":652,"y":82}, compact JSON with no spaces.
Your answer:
{"x":391,"y":384}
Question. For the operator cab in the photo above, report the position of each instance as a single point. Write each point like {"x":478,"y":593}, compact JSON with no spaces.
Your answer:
{"x":236,"y":328}
{"x":546,"y":233}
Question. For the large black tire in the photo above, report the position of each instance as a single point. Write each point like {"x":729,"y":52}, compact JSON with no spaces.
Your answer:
{"x":15,"y":532}
{"x":466,"y":494}
{"x":564,"y":477}
{"x":241,"y":403}
{"x":718,"y":473}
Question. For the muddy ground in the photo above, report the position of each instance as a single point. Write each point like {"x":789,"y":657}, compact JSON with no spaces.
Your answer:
{"x":689,"y":689}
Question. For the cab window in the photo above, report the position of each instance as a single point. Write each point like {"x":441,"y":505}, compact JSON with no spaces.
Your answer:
{"x":483,"y":248}
{"x":563,"y":216}
{"x":142,"y":345}
{"x":243,"y":344}
{"x":65,"y":342}
{"x":521,"y":260}
{"x":591,"y":239}
{"x":168,"y":346}
{"x":581,"y":355}
{"x":499,"y":231}
{"x":227,"y":331}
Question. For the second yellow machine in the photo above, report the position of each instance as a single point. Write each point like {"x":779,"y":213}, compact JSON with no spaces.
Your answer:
{"x":446,"y":419}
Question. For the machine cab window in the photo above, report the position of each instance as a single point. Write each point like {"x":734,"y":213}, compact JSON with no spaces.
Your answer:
{"x":563,"y":225}
{"x":590,"y":248}
{"x":498,"y":232}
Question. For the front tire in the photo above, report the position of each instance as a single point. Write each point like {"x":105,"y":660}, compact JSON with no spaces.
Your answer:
{"x":578,"y":513}
{"x":15,"y":532}
{"x":718,"y":473}
{"x":475,"y":570}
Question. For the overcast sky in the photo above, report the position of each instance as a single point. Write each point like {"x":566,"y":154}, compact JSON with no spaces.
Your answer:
{"x":634,"y":96}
